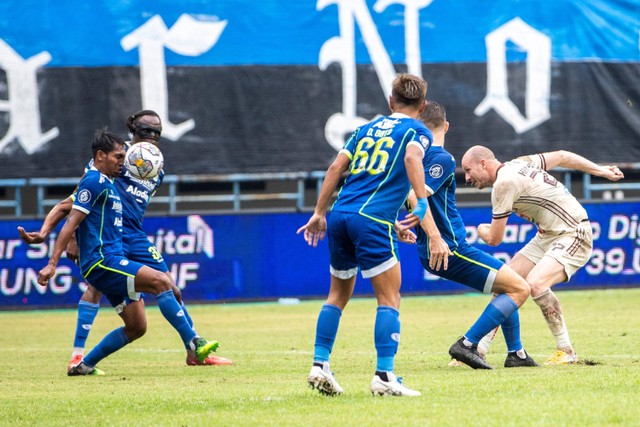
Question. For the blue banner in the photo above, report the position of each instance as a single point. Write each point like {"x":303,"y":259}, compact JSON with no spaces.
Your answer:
{"x":248,"y":32}
{"x":259,"y":257}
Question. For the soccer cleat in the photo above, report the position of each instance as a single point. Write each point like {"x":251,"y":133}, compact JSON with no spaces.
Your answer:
{"x":83,"y":369}
{"x":560,"y":357}
{"x":322,"y":379}
{"x":468,"y":355}
{"x":203,"y":348}
{"x":75,"y":360}
{"x":393,"y":387}
{"x":192,"y":360}
{"x":514,"y":361}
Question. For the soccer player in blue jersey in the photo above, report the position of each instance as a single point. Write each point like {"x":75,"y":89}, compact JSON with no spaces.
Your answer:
{"x":382,"y":160}
{"x":466,"y":265}
{"x":96,"y":216}
{"x":135,"y":195}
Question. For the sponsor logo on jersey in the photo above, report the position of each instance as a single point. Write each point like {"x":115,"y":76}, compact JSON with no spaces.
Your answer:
{"x":386,"y":123}
{"x":143,"y":194}
{"x":124,"y":262}
{"x":424,"y":141}
{"x":436,"y":171}
{"x":84,"y":196}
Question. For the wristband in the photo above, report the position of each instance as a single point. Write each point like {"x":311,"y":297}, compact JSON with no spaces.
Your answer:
{"x":421,"y":208}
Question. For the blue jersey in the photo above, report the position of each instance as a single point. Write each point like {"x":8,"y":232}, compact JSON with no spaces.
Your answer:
{"x":440,"y":180}
{"x":377,"y":184}
{"x":135,"y":194}
{"x":100,"y":234}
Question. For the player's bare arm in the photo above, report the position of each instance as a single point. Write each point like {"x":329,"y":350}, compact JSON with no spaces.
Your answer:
{"x":570,"y":160}
{"x":73,"y":220}
{"x":53,"y":218}
{"x":315,"y":228}
{"x":493,"y":233}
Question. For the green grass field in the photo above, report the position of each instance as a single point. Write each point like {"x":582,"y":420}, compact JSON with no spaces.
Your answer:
{"x":148,"y":383}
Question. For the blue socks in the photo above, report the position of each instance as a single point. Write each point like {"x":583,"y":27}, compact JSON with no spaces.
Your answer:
{"x":186,"y":314}
{"x":326,"y":330}
{"x":511,"y":332}
{"x":174,"y":314}
{"x":111,"y":343}
{"x":87,"y":312}
{"x":493,"y":315}
{"x":387,"y":337}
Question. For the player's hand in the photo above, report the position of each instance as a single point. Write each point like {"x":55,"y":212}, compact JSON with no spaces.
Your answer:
{"x":416,"y":215}
{"x":404,"y":235}
{"x":612,"y":173}
{"x":439,"y":253}
{"x":31,"y":237}
{"x":409,"y":221}
{"x":45,"y":274}
{"x":314,"y":230}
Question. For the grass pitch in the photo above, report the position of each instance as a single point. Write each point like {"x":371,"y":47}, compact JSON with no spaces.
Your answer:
{"x":148,"y":383}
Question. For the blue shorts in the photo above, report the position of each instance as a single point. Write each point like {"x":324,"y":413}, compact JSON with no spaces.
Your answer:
{"x":138,"y":248}
{"x":469,"y":266}
{"x":357,"y":241}
{"x":115,"y":278}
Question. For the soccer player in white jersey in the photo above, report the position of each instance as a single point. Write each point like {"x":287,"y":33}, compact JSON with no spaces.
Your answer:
{"x":564,"y":240}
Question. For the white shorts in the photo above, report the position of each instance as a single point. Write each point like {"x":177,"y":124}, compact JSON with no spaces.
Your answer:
{"x":571,"y":249}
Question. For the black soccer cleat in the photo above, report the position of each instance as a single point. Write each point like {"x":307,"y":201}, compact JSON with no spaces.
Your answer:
{"x":468,"y":355}
{"x":514,"y":361}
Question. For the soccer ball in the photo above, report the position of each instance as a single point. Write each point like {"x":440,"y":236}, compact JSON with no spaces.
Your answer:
{"x":144,"y":160}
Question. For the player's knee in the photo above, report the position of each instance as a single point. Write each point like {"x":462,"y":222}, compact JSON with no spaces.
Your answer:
{"x":160,"y":282}
{"x":520,"y":291}
{"x":135,"y":330}
{"x":537,"y":287}
{"x":91,"y":295}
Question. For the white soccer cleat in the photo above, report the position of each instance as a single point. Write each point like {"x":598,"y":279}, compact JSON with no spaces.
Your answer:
{"x":562,"y":358}
{"x":393,"y":387}
{"x":322,"y":379}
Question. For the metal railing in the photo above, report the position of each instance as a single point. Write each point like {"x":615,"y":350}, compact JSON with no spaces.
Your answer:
{"x":297,"y":191}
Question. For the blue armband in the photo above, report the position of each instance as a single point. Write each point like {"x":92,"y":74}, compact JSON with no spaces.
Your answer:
{"x":421,"y":208}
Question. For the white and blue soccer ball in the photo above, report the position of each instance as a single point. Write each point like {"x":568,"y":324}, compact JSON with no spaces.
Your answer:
{"x":144,"y":160}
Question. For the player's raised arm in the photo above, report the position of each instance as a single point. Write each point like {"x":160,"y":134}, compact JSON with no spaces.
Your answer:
{"x":570,"y":160}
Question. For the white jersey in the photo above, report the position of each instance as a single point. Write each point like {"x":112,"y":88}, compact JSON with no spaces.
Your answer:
{"x":526,"y":189}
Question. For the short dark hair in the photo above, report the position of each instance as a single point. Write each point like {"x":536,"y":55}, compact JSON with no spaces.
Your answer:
{"x":131,"y":120}
{"x":409,"y":90}
{"x":434,"y":115}
{"x":105,"y":141}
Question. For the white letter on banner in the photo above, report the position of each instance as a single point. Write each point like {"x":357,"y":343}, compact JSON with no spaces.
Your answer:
{"x":187,"y":37}
{"x":22,"y":104}
{"x":538,"y":49}
{"x":341,"y":49}
{"x":411,"y":30}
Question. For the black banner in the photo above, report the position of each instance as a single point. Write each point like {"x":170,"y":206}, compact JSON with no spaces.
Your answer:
{"x":250,"y":119}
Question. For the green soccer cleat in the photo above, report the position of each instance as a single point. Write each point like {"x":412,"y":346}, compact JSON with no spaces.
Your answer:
{"x":82,"y":369}
{"x":204,"y":348}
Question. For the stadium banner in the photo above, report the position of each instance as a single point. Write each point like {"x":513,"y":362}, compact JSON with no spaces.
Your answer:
{"x":247,"y":86}
{"x":233,"y":258}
